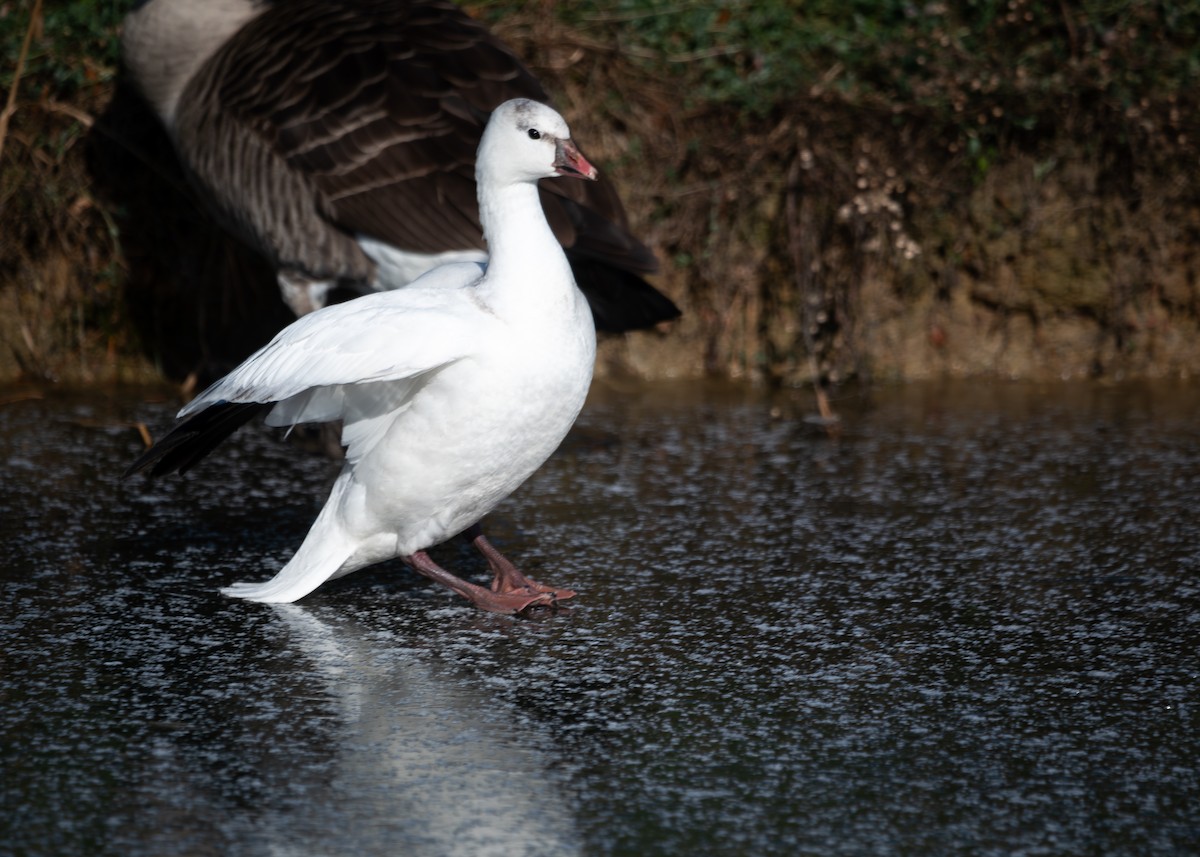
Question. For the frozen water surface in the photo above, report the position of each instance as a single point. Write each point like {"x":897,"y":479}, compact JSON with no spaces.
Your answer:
{"x":971,"y":624}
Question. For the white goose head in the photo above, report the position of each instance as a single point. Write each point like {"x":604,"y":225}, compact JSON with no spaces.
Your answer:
{"x":525,"y":141}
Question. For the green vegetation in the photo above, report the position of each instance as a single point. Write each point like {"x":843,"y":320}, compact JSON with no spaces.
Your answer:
{"x":76,"y":46}
{"x":985,"y":69}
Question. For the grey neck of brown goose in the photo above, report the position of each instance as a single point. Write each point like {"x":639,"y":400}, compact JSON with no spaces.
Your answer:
{"x":165,"y":42}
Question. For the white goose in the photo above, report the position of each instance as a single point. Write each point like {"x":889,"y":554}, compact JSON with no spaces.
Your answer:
{"x":452,"y":391}
{"x":337,"y":138}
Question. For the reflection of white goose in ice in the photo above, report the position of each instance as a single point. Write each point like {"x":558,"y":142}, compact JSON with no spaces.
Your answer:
{"x":418,"y":769}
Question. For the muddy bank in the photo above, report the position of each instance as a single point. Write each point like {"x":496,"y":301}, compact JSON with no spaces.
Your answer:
{"x":820,"y":235}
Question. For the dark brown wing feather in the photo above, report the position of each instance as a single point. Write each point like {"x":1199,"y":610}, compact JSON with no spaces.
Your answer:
{"x":364,"y":117}
{"x":423,"y":78}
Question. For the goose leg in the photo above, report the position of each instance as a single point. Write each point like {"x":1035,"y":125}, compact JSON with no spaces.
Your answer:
{"x":507,"y":578}
{"x":512,"y":601}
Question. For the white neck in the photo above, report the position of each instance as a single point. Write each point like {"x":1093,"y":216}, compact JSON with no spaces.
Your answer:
{"x":520,"y":242}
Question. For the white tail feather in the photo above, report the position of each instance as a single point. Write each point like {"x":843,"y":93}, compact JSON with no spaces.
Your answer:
{"x":324,"y":551}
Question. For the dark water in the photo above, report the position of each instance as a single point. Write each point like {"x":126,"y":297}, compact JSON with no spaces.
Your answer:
{"x":969,"y":625}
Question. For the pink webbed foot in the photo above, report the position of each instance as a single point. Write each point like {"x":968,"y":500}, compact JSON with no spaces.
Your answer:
{"x":511,"y":600}
{"x":506,"y":577}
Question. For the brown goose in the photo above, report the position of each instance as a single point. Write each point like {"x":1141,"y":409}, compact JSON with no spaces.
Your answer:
{"x":338,"y":139}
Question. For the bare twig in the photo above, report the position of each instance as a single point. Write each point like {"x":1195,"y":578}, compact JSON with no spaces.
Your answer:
{"x":25,"y":396}
{"x":10,"y":106}
{"x":829,"y":419}
{"x":690,"y":56}
{"x":1070,"y":25}
{"x":84,"y":118}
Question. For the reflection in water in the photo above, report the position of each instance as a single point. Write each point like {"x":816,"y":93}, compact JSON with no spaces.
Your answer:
{"x":423,"y":765}
{"x":969,"y":625}
{"x":141,"y":713}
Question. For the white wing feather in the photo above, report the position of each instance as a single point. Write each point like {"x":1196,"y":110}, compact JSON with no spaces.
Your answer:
{"x":395,"y":336}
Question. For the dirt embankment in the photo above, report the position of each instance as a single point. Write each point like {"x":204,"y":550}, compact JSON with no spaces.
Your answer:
{"x":818,"y":237}
{"x":837,"y":240}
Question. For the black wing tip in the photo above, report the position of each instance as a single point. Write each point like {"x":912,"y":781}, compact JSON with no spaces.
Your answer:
{"x":621,"y":301}
{"x":194,"y":438}
{"x":140,"y":464}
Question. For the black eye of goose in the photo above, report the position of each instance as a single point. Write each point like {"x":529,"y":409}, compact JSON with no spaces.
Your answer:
{"x":535,"y":134}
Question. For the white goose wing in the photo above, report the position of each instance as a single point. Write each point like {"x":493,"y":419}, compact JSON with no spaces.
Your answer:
{"x":361,"y":358}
